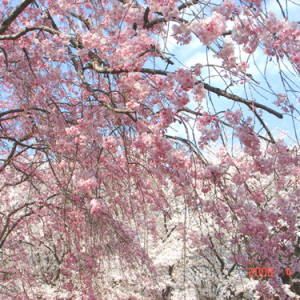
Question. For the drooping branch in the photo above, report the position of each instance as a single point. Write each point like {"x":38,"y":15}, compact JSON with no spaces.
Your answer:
{"x":186,"y":109}
{"x":154,"y":22}
{"x":27,"y":29}
{"x":6,"y":230}
{"x":206,"y":86}
{"x":188,"y":4}
{"x":102,"y":70}
{"x":51,"y":19}
{"x":264,"y":126}
{"x":87,"y":22}
{"x":146,"y":14}
{"x":17,"y":35}
{"x":12,"y":111}
{"x":190,"y":145}
{"x":107,"y":105}
{"x":240,"y":99}
{"x":162,"y":55}
{"x":105,"y":70}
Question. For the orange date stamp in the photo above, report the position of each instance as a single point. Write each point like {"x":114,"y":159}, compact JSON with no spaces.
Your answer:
{"x":265,"y":272}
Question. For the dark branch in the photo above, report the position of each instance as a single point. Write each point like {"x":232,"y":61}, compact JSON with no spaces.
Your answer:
{"x":264,"y":125}
{"x":154,"y":22}
{"x":16,"y":35}
{"x":206,"y":86}
{"x":241,"y":100}
{"x":51,"y":19}
{"x":162,"y":55}
{"x":14,"y":14}
{"x":188,"y":4}
{"x":12,"y":111}
{"x":112,"y":71}
{"x":87,"y":22}
{"x":26,"y":29}
{"x":146,"y":17}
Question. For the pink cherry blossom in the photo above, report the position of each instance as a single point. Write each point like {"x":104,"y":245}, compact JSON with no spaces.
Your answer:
{"x":137,"y":161}
{"x":210,"y":29}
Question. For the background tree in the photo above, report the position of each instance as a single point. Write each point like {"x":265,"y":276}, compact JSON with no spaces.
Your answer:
{"x":100,"y":197}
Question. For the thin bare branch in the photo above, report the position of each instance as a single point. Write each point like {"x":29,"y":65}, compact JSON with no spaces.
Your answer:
{"x":241,"y":100}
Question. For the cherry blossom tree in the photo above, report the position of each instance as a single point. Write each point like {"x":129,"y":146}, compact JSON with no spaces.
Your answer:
{"x":135,"y":167}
